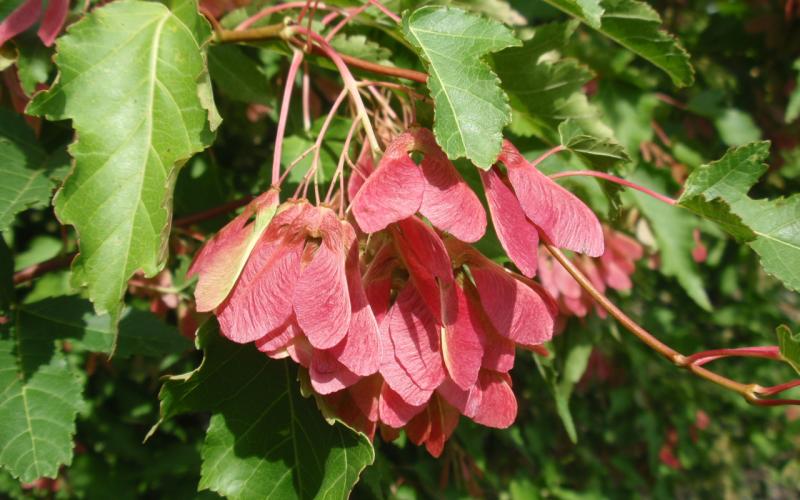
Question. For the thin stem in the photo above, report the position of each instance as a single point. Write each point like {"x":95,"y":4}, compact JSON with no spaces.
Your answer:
{"x":548,"y":154}
{"x":63,"y":261}
{"x":340,"y":165}
{"x":324,"y":129}
{"x":615,"y":179}
{"x":748,"y":391}
{"x":341,"y":24}
{"x":701,"y":358}
{"x":297,"y":58}
{"x":777,"y":389}
{"x":272,"y":9}
{"x":394,"y":17}
{"x":349,"y":83}
{"x":278,"y":31}
{"x":306,"y":97}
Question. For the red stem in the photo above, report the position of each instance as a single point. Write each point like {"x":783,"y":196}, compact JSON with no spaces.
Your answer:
{"x":701,"y":358}
{"x":284,"y":116}
{"x":777,"y":389}
{"x":615,"y":179}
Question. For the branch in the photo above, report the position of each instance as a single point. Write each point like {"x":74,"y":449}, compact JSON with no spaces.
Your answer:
{"x":751,"y":392}
{"x":63,"y":261}
{"x":280,"y":32}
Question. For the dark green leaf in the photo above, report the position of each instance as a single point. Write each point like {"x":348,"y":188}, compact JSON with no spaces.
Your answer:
{"x":238,"y":76}
{"x":6,"y":277}
{"x":39,"y":402}
{"x":24,"y":180}
{"x":637,"y":27}
{"x":673,"y":231}
{"x":73,"y":318}
{"x":264,"y":437}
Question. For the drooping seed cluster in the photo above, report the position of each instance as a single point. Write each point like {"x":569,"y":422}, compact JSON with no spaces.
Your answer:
{"x":400,"y":322}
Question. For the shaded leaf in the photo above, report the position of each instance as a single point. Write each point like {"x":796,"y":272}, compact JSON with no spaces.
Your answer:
{"x":636,"y":26}
{"x":600,"y":152}
{"x":238,"y":76}
{"x":673,"y":231}
{"x":471,"y":108}
{"x":39,"y":402}
{"x":129,"y":81}
{"x":6,"y":277}
{"x":70,"y":317}
{"x":25,"y":183}
{"x":793,"y":108}
{"x":263,"y":436}
{"x":545,"y":91}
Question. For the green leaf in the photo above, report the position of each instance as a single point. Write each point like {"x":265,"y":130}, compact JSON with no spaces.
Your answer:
{"x":362,"y":47}
{"x":588,"y":11}
{"x":471,"y":108}
{"x":636,"y":26}
{"x":238,"y":76}
{"x":545,"y":90}
{"x":789,"y":345}
{"x":771,"y":227}
{"x":6,"y":277}
{"x":600,"y":152}
{"x":129,"y":74}
{"x":40,"y":399}
{"x":497,"y":9}
{"x":561,"y":384}
{"x":71,"y":317}
{"x":24,"y":180}
{"x":34,"y":65}
{"x":673,"y":231}
{"x":263,"y":435}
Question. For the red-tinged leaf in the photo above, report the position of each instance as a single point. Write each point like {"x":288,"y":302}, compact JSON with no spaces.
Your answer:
{"x":448,"y":202}
{"x":222,"y":258}
{"x":498,"y":407}
{"x":359,"y":351}
{"x":278,"y":339}
{"x":411,"y":361}
{"x":516,"y":233}
{"x":320,"y":298}
{"x":434,"y":426}
{"x":53,"y":20}
{"x":21,"y":19}
{"x":393,"y":192}
{"x":364,"y":168}
{"x":261,"y":300}
{"x":328,"y":374}
{"x":426,"y":260}
{"x":394,"y":410}
{"x":560,"y":215}
{"x":515,"y":310}
{"x":462,"y":349}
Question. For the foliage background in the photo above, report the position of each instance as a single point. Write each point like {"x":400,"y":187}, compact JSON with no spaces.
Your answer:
{"x":642,"y":426}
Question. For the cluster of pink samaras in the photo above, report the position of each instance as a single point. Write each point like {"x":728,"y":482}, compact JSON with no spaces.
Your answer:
{"x":400,"y":323}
